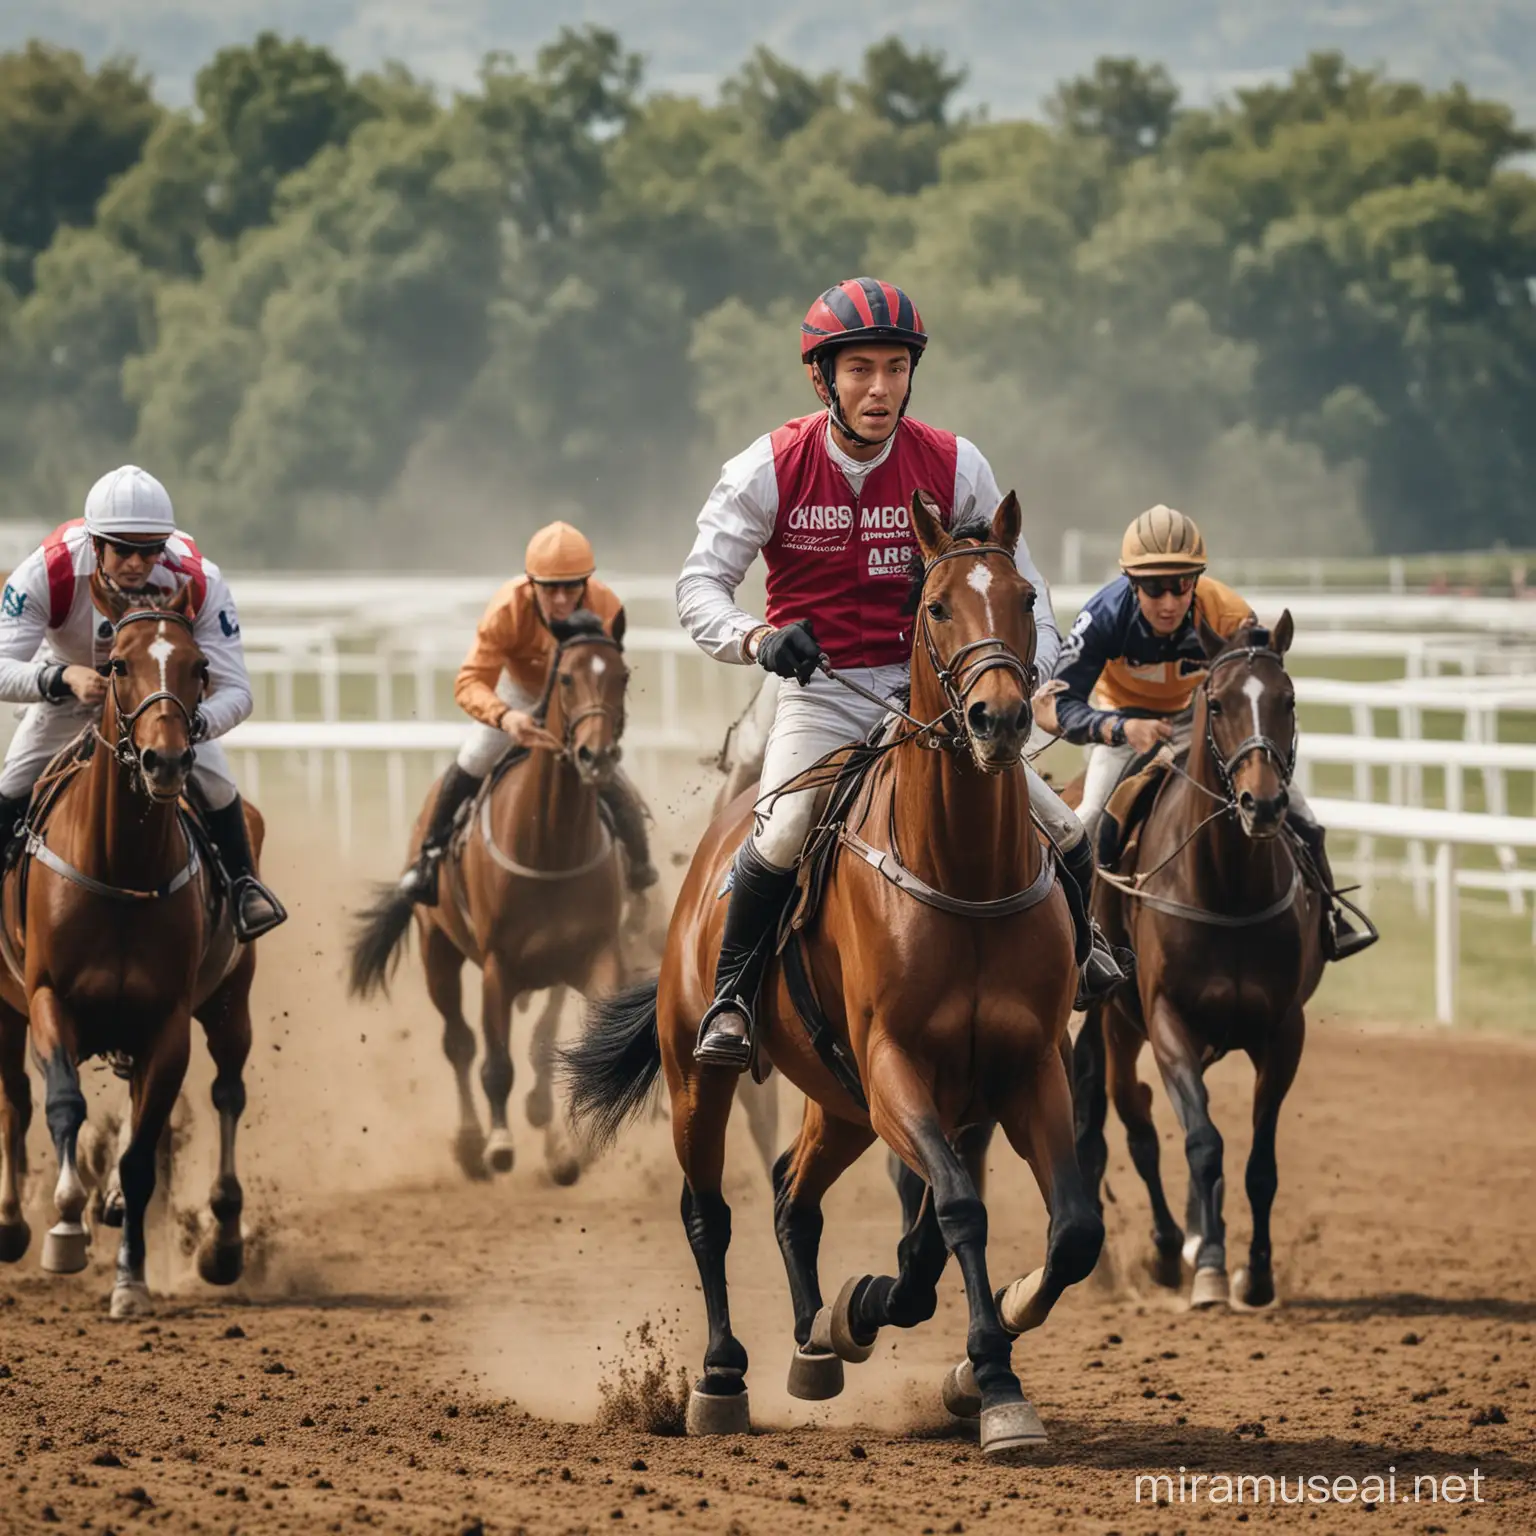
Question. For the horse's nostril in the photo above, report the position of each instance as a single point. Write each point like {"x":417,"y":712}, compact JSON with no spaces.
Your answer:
{"x":186,"y":760}
{"x":979,"y":719}
{"x":585,"y":756}
{"x":1282,"y":802}
{"x":150,"y":759}
{"x":1246,"y":800}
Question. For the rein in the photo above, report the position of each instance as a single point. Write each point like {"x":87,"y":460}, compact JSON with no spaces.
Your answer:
{"x":1285,"y":764}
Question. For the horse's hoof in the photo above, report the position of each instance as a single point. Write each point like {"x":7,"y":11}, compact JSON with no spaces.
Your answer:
{"x":113,"y":1210}
{"x":1192,"y":1248}
{"x":539,"y":1108}
{"x":815,"y":1375}
{"x":15,"y":1239}
{"x":711,"y":1413}
{"x":1210,"y":1288}
{"x":832,"y":1328}
{"x":130,"y":1298}
{"x":469,"y":1153}
{"x":1016,"y":1304}
{"x":962,"y":1397}
{"x":1010,"y":1427}
{"x":66,"y":1248}
{"x":1252,"y":1292}
{"x":220,"y":1263}
{"x":1166,"y":1267}
{"x":564,"y":1169}
{"x":499,"y":1155}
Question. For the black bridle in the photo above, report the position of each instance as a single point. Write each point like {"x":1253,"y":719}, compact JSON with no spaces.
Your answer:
{"x":1256,"y":741}
{"x":124,"y":749}
{"x":564,"y":745}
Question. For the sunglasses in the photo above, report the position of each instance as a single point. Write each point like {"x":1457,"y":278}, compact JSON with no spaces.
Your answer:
{"x":560,"y":586}
{"x":150,"y":550}
{"x":1166,"y":586}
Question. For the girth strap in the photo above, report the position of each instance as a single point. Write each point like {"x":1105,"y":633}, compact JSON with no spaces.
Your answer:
{"x":512,"y":867}
{"x":45,"y":856}
{"x":1202,"y":914}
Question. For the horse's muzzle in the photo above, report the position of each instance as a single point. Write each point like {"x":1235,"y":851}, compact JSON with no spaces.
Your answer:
{"x":595,"y":766}
{"x":998,"y":737}
{"x":165,"y":774}
{"x":1262,"y":817}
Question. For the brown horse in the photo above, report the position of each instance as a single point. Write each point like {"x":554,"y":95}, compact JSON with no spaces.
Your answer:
{"x":942,"y":958}
{"x":118,"y":941}
{"x":532,"y":892}
{"x":1228,"y":938}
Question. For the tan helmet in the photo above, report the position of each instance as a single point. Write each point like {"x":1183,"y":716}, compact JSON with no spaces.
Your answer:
{"x":1162,"y":542}
{"x":559,"y":553}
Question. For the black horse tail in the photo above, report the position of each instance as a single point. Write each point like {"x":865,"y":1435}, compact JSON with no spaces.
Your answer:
{"x":611,"y":1070}
{"x":378,"y":936}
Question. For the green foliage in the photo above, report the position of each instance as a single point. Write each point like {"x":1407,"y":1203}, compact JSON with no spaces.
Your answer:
{"x":332,"y":309}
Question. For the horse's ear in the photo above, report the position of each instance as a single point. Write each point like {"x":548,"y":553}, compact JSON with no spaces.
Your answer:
{"x":1285,"y":632}
{"x":182,"y":601}
{"x":108,"y":599}
{"x":926,"y":524}
{"x":1008,"y":523}
{"x":1210,"y":642}
{"x":620,"y":624}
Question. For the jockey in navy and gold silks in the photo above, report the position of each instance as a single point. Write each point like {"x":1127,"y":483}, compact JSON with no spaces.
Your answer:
{"x":1131,"y":664}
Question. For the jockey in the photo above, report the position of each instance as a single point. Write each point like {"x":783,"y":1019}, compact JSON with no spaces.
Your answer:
{"x":500,"y":684}
{"x":1133,"y":660}
{"x":53,"y":640}
{"x":823,"y":499}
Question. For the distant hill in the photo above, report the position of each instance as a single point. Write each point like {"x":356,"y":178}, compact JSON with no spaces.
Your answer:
{"x":1015,"y":49}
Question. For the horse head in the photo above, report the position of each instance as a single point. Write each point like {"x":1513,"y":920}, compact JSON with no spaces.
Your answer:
{"x":976,"y":630}
{"x":584,"y":703}
{"x":157,"y":675}
{"x":1248,"y":705}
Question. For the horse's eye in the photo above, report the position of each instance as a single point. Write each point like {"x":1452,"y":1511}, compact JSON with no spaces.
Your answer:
{"x":1288,"y":703}
{"x":566,"y":680}
{"x":1215,"y":706}
{"x":1029,"y":602}
{"x":937,"y":610}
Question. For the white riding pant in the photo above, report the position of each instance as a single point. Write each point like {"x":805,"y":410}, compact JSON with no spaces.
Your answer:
{"x":1104,"y":766}
{"x":486,"y":745}
{"x":46,"y":729}
{"x":822,"y":716}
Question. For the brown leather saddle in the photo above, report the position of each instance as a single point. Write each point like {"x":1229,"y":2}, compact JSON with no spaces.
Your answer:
{"x":1129,"y":806}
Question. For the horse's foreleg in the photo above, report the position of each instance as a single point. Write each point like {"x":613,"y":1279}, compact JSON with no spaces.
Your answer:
{"x":54,"y":1041}
{"x":15,"y":1120}
{"x":1037,"y":1118}
{"x":539,"y":1106}
{"x":1090,"y":1101}
{"x":156,"y":1082}
{"x":824,"y":1148}
{"x":1254,"y":1286}
{"x":1178,"y":1061}
{"x":444,"y":967}
{"x":905,"y":1116}
{"x":226,"y":1019}
{"x":1133,"y":1103}
{"x":701,"y":1110}
{"x":497,"y":994}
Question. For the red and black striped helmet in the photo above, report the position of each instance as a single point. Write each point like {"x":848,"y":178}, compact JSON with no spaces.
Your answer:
{"x":861,"y":309}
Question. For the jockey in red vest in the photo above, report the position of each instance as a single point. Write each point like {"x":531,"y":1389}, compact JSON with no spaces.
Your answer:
{"x":53,"y":642}
{"x":824,"y":501}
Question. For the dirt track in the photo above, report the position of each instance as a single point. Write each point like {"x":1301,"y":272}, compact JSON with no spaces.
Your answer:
{"x":414,"y":1349}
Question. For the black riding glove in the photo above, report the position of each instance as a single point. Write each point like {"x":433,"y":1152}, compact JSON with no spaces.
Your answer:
{"x":791,"y":651}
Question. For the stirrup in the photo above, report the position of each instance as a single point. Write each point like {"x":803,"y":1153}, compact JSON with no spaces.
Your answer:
{"x":419,"y":882}
{"x":249,"y":929}
{"x":1341,"y":940}
{"x":720,"y":1048}
{"x":1105,"y":969}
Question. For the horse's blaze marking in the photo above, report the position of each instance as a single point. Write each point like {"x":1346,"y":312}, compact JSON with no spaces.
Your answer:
{"x":1253,"y":687}
{"x":161,"y":650}
{"x":980,"y":581}
{"x":599,"y":666}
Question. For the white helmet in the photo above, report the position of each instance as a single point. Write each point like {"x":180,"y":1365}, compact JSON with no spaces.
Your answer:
{"x":129,"y":500}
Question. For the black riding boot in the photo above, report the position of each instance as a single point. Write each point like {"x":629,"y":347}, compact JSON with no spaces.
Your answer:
{"x":11,"y":812}
{"x":1105,"y":968}
{"x":254,"y":908}
{"x":629,"y":817}
{"x":758,"y":894}
{"x":1341,"y":938}
{"x":419,"y":882}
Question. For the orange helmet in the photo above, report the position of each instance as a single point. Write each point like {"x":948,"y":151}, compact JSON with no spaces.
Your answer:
{"x":1162,"y":542}
{"x":559,"y":553}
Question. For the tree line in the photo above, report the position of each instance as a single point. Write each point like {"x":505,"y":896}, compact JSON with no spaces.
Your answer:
{"x":351,"y":320}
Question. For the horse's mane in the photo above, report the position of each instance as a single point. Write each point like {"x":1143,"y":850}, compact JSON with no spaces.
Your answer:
{"x":974,"y":530}
{"x":582,"y":622}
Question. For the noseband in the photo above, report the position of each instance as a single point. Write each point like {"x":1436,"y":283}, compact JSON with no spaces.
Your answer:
{"x":1285,"y":762}
{"x":972,"y":661}
{"x":564,"y":746}
{"x":124,"y":749}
